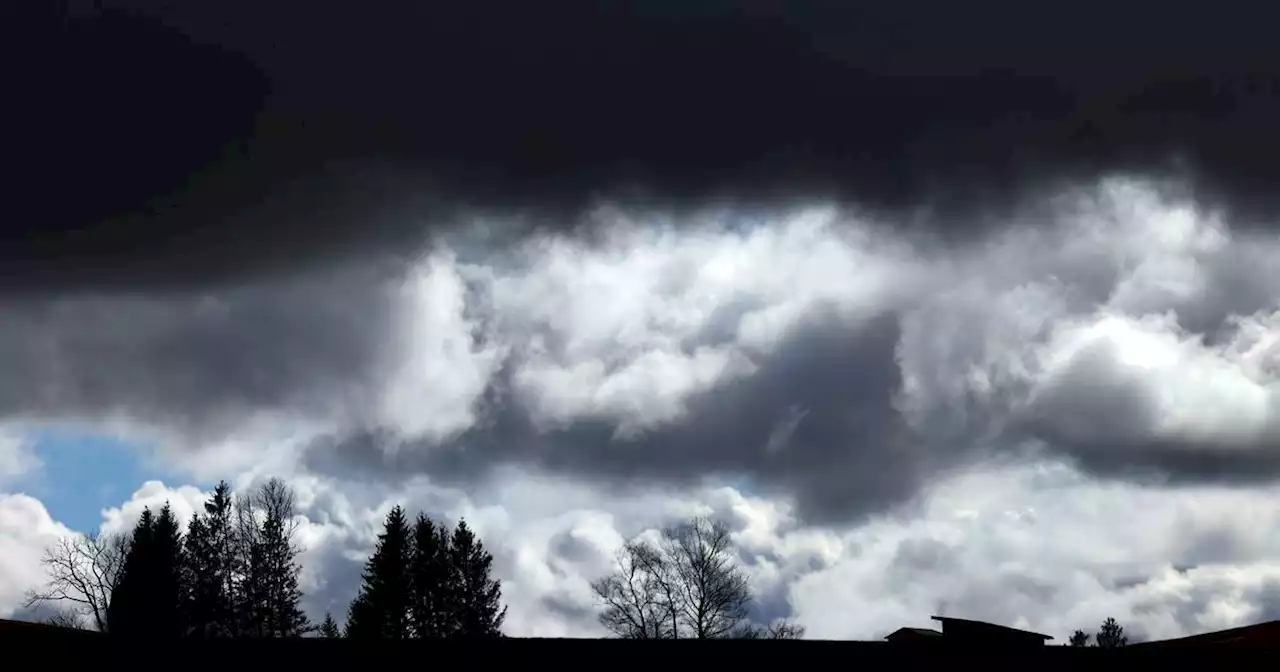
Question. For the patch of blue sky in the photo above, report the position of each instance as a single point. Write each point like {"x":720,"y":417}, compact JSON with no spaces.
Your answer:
{"x":84,"y":472}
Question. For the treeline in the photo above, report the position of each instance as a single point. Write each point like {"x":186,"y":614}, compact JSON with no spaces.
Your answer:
{"x":234,"y":573}
{"x":234,"y":570}
{"x":425,"y":582}
{"x":1109,"y":636}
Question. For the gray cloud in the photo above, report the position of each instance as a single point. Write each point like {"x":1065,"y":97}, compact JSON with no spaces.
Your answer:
{"x":1269,"y":602}
{"x":848,"y":456}
{"x":1068,"y":338}
{"x":572,"y":548}
{"x":199,"y":363}
{"x":812,"y":354}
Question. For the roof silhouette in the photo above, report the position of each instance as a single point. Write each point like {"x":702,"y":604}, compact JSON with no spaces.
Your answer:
{"x":984,"y":625}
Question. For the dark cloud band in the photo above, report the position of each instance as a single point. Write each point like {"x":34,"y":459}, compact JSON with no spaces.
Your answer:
{"x":162,"y":143}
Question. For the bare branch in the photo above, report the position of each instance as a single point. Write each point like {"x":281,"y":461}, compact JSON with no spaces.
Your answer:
{"x":689,"y":585}
{"x":785,"y":630}
{"x":634,"y":599}
{"x":273,"y":498}
{"x":714,"y":594}
{"x":83,"y":571}
{"x":271,"y":501}
{"x":65,"y":619}
{"x":777,"y":630}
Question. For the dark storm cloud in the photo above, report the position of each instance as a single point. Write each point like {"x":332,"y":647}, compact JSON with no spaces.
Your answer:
{"x":138,"y":154}
{"x":571,"y":547}
{"x":1269,"y":602}
{"x":1173,"y":462}
{"x":341,"y":583}
{"x":848,"y":455}
{"x":167,"y":142}
{"x":199,"y":363}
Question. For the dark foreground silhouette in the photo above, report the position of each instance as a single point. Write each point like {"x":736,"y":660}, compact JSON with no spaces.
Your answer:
{"x":69,"y":646}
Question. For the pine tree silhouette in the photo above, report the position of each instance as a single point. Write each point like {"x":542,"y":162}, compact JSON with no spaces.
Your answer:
{"x":209,"y":571}
{"x":266,"y":588}
{"x":329,"y":628}
{"x":194,"y":573}
{"x":478,"y":597}
{"x":166,"y":576}
{"x":128,"y":605}
{"x":1111,"y":635}
{"x":274,"y":557}
{"x":432,"y":598}
{"x":149,"y":599}
{"x":381,"y":609}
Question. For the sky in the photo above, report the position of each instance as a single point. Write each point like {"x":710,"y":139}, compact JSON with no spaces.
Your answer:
{"x":933,"y":334}
{"x":77,"y":474}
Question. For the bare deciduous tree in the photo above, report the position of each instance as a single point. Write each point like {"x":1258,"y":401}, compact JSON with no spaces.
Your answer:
{"x":636,"y":596}
{"x":775,"y":630}
{"x":64,"y":618}
{"x":687,"y":585}
{"x":83,"y":571}
{"x":274,"y":497}
{"x":265,"y":598}
{"x":713,"y":598}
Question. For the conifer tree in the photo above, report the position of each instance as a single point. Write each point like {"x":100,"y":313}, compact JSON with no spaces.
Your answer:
{"x":361,"y":619}
{"x":478,"y":598}
{"x":128,"y":603}
{"x":1111,"y":635}
{"x":275,"y":555}
{"x":329,"y":628}
{"x":266,"y":589}
{"x":431,"y":606}
{"x":381,"y":609}
{"x":209,"y":573}
{"x":149,"y":599}
{"x":222,"y":552}
{"x":166,"y":576}
{"x":193,"y":574}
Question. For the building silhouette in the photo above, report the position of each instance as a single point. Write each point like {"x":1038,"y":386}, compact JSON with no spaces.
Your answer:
{"x":965,"y":632}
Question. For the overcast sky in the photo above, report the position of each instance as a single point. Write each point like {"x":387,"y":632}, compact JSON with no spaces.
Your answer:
{"x":933,"y":333}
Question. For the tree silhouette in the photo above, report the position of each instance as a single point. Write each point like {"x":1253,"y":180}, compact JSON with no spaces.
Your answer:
{"x":83,"y":571}
{"x":148,"y":601}
{"x":329,"y":628}
{"x":65,"y":618}
{"x":234,"y":573}
{"x":1079,"y":638}
{"x":638,"y":597}
{"x":1111,"y":635}
{"x":210,"y":568}
{"x":477,"y":597}
{"x":267,"y":596}
{"x":687,"y":585}
{"x":713,"y":590}
{"x":777,"y":630}
{"x":426,"y":583}
{"x":432,"y":594}
{"x":381,"y":609}
{"x":127,"y":606}
{"x":274,"y":560}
